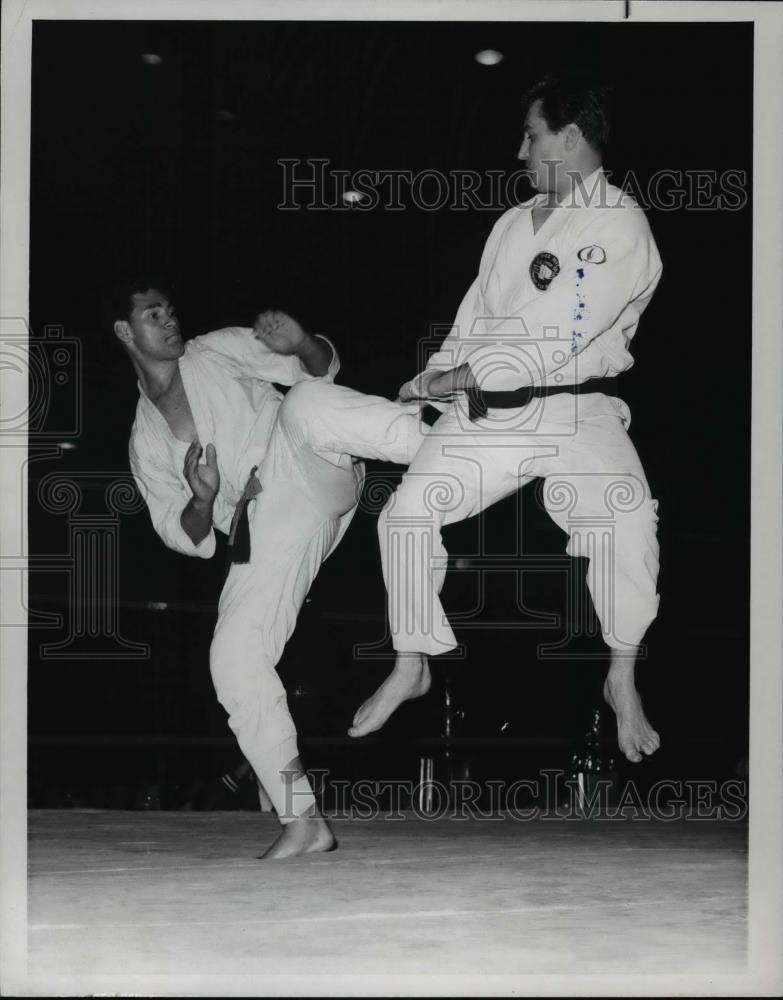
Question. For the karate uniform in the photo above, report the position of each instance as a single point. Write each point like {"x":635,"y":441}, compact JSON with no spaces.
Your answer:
{"x":303,"y":445}
{"x":552,"y":308}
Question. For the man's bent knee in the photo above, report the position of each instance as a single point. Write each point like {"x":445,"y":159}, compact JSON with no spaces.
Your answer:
{"x":304,"y":403}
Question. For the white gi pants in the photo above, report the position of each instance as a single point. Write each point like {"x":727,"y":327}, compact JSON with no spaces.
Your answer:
{"x":310,"y":488}
{"x":595,"y":490}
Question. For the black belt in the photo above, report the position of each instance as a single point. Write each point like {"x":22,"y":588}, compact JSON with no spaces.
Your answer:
{"x":239,"y":533}
{"x":482,"y":400}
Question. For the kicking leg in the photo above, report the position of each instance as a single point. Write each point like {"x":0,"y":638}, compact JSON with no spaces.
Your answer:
{"x":338,"y":422}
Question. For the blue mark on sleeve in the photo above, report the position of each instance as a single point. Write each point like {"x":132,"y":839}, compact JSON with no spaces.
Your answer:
{"x":580,"y":272}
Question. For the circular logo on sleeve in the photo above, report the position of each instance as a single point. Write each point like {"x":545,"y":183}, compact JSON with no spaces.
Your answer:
{"x":543,"y":268}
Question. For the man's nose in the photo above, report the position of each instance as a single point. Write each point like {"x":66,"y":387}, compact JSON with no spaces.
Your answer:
{"x":523,"y":150}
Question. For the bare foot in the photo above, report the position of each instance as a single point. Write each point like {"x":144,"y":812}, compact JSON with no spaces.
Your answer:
{"x":635,"y":735}
{"x":306,"y":834}
{"x":410,"y":679}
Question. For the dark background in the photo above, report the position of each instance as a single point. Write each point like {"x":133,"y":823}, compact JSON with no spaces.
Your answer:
{"x":174,"y":167}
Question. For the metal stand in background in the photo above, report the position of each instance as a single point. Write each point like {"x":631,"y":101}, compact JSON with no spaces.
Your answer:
{"x":593,"y":777}
{"x":442,"y":768}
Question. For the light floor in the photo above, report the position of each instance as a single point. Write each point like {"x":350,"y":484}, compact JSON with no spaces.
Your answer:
{"x":118,"y":894}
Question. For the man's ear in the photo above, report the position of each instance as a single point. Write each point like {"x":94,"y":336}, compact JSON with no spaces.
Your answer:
{"x":122,"y":331}
{"x":571,"y":136}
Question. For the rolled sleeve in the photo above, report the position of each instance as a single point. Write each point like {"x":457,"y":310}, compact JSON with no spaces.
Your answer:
{"x":285,"y":369}
{"x":246,"y":356}
{"x":334,"y":364}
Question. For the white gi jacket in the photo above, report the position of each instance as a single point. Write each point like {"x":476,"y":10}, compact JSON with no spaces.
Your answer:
{"x":561,"y":305}
{"x":228,"y":378}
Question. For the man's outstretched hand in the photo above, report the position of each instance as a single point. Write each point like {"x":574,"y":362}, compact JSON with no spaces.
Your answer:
{"x":203,"y":479}
{"x":279,"y":332}
{"x":432,"y":384}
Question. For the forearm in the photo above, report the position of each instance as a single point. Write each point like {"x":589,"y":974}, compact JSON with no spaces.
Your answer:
{"x":315,"y":355}
{"x":196,"y":520}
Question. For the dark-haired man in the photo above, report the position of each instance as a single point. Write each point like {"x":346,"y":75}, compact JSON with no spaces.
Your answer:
{"x":562,"y":282}
{"x":215,"y":445}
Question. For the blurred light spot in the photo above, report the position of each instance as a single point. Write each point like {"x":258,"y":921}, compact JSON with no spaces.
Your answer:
{"x":504,"y":727}
{"x":66,"y":445}
{"x":352,"y":197}
{"x":152,"y":59}
{"x":157,"y":605}
{"x":489,"y":57}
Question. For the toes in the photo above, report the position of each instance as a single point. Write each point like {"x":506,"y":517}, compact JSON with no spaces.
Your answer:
{"x":633,"y":755}
{"x":359,"y":714}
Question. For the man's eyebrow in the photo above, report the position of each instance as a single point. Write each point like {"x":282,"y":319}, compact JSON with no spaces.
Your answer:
{"x":152,"y":305}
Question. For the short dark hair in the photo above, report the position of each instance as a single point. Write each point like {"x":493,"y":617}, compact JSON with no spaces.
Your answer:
{"x":581,"y":100}
{"x":118,"y":298}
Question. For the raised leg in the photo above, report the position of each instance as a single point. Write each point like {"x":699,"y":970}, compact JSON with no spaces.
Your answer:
{"x":337,"y":422}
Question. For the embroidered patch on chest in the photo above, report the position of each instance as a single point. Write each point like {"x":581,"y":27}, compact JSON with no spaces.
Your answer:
{"x":543,"y":268}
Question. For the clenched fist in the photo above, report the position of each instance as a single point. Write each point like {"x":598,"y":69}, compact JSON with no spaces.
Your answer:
{"x":280,"y":332}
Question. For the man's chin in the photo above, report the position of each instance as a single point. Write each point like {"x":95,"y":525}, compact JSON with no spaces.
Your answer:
{"x":532,"y":178}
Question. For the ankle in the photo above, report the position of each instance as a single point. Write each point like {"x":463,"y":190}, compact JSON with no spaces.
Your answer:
{"x":410,"y":663}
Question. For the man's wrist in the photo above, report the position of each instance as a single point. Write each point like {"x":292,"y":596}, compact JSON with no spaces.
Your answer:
{"x":307,"y":344}
{"x":464,"y":378}
{"x":436,"y":384}
{"x":202,"y":507}
{"x":315,"y":354}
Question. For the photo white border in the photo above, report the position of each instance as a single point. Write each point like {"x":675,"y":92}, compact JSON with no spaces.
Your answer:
{"x":764,"y":976}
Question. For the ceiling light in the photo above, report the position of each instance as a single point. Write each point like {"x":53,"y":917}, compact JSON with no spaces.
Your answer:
{"x":489,"y":57}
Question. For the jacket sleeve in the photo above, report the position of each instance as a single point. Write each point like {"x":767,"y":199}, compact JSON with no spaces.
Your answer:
{"x":251,"y":357}
{"x":601,"y":277}
{"x":167,"y":496}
